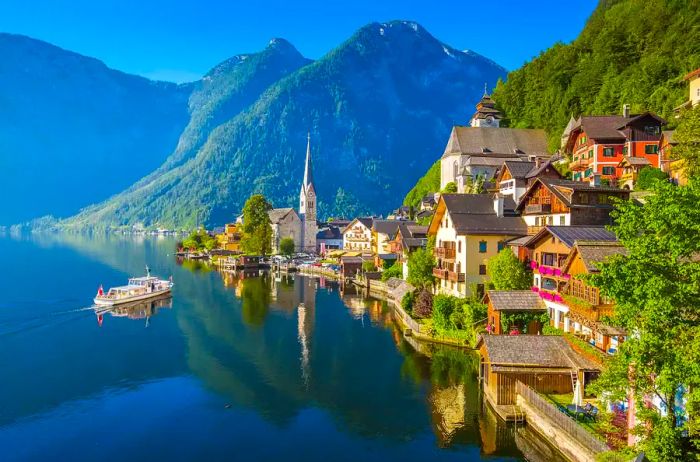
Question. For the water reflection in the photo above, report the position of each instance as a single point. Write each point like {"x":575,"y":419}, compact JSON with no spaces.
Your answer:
{"x":138,"y":310}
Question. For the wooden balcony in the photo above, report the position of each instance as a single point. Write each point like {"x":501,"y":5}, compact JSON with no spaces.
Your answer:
{"x":579,"y":289}
{"x":455,"y":277}
{"x":538,"y":208}
{"x":440,"y":273}
{"x":446,"y":253}
{"x":581,"y":164}
{"x":534,"y":229}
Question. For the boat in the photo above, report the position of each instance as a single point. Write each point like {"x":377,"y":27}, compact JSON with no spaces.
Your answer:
{"x":141,"y":288}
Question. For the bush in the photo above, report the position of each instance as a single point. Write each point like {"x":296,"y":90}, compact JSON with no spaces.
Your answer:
{"x":648,"y":176}
{"x":407,"y":302}
{"x":423,"y":308}
{"x":443,"y":307}
{"x":368,"y":266}
{"x":392,"y":272}
{"x":287,"y":246}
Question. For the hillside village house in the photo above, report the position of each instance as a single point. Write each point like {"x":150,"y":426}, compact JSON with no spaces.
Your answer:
{"x":481,"y":149}
{"x":693,"y":79}
{"x":230,"y":239}
{"x":408,"y":238}
{"x":513,"y":178}
{"x":565,"y":203}
{"x":382,"y":232}
{"x":469,"y":229}
{"x":357,"y":236}
{"x":597,"y":144}
{"x":502,"y":303}
{"x":629,"y":168}
{"x":674,"y":167}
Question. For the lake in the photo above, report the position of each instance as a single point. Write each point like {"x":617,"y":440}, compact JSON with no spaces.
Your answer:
{"x":232,"y":368}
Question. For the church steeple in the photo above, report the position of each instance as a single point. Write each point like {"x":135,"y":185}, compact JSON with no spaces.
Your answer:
{"x":486,"y":114}
{"x":308,"y":174}
{"x":307,"y":204}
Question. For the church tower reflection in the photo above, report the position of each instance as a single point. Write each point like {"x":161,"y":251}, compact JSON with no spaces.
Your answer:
{"x":306,"y":313}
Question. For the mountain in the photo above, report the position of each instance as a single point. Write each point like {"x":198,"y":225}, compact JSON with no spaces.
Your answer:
{"x":379,"y":108}
{"x":73,"y":131}
{"x":629,"y":52}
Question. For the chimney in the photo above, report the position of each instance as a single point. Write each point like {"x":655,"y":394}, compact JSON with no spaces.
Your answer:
{"x":498,"y":204}
{"x":537,"y":162}
{"x":626,"y":111}
{"x":595,"y":179}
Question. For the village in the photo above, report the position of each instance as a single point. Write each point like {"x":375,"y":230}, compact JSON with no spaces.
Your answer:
{"x":502,"y":259}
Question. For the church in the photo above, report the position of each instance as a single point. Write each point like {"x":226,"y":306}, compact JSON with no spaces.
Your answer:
{"x":479,"y":150}
{"x":301,"y":226}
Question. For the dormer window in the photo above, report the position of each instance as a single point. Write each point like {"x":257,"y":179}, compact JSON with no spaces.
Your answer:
{"x":485,"y":149}
{"x":651,"y":130}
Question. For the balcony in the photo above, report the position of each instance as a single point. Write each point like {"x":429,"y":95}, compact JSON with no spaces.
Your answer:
{"x":534,"y":229}
{"x":538,"y":208}
{"x":578,"y":165}
{"x":455,"y":277}
{"x":589,"y":295}
{"x":446,"y":253}
{"x":440,"y":273}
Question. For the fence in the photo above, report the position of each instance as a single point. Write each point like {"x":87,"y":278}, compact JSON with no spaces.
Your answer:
{"x":564,"y":421}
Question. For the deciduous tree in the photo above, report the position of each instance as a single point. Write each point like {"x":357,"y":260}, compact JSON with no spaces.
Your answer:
{"x":257,"y":230}
{"x":507,"y":272}
{"x":420,"y":268}
{"x":287,"y":246}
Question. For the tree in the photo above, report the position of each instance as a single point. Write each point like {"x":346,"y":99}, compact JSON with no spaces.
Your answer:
{"x":423,"y":306}
{"x":687,"y":137}
{"x":648,"y":176}
{"x":394,"y":271}
{"x":420,"y":268}
{"x":507,"y":272}
{"x":656,"y":286}
{"x":257,"y":231}
{"x":199,"y":240}
{"x":287,"y":246}
{"x":368,"y":266}
{"x":450,"y":188}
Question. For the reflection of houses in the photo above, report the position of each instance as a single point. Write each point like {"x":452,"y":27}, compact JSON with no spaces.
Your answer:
{"x":469,"y":229}
{"x":358,"y":235}
{"x":504,"y":303}
{"x":479,"y":150}
{"x":546,"y":363}
{"x":565,"y":203}
{"x":587,"y":307}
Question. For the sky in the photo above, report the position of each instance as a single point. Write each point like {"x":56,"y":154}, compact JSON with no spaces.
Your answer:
{"x":179,"y":40}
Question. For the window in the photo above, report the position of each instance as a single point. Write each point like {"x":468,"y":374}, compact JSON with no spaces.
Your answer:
{"x":651,"y":149}
{"x":608,"y":170}
{"x":588,"y":172}
{"x":454,"y":172}
{"x":624,"y":150}
{"x":608,"y":152}
{"x":482,"y":269}
{"x":590,"y":154}
{"x":482,"y":246}
{"x":459,"y":246}
{"x":550,"y":220}
{"x":562,"y":220}
{"x":583,"y":198}
{"x":651,"y":129}
{"x":602,"y":199}
{"x":501,"y":245}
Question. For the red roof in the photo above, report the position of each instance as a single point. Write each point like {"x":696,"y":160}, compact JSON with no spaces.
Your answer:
{"x":692,"y":74}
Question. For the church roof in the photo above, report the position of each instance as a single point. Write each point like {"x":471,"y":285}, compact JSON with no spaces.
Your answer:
{"x":308,"y":172}
{"x":497,"y":142}
{"x":277,"y":215}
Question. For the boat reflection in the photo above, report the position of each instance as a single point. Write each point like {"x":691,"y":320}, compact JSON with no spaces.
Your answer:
{"x":137,"y":310}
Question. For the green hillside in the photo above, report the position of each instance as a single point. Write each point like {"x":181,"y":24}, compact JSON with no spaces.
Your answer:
{"x":630,"y":52}
{"x":428,"y":183}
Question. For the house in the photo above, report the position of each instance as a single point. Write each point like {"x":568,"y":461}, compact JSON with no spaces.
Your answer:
{"x":513,"y":177}
{"x":503,"y":303}
{"x":285,"y":223}
{"x":629,"y":168}
{"x":358,"y":235}
{"x":693,"y":79}
{"x":329,"y":237}
{"x":469,"y":229}
{"x":597,"y":144}
{"x":408,"y":238}
{"x":674,"y":167}
{"x":230,"y":238}
{"x":350,"y":266}
{"x":585,"y":307}
{"x":428,"y":202}
{"x":481,"y":149}
{"x":566,"y":202}
{"x":545,"y":363}
{"x":382,"y":232}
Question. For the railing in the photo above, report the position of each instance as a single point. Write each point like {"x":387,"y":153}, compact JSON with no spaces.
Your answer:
{"x":564,"y":421}
{"x":455,"y":277}
{"x":447,"y":253}
{"x":538,"y":208}
{"x":440,"y":273}
{"x":580,"y":164}
{"x":579,"y":289}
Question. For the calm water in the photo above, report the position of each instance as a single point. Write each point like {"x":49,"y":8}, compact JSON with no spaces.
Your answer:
{"x":231,"y":369}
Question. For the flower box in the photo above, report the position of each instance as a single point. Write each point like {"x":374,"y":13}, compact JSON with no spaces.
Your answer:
{"x":533,"y":264}
{"x":535,"y":289}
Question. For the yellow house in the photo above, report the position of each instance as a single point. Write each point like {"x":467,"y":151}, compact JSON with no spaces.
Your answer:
{"x":469,"y":229}
{"x":230,"y":239}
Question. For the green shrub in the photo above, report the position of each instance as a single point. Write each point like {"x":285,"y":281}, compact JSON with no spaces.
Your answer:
{"x":407,"y":302}
{"x":393,"y":271}
{"x":443,"y":307}
{"x":423,"y":308}
{"x":648,"y":176}
{"x":368,"y":265}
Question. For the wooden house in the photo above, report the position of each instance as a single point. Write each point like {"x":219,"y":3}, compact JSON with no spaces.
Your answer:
{"x":408,"y":238}
{"x":502,"y":303}
{"x":514,"y":177}
{"x":545,"y":363}
{"x":629,"y":168}
{"x":566,"y":203}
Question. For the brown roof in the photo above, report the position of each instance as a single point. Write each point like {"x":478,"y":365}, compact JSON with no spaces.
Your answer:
{"x":277,"y":215}
{"x":568,"y":235}
{"x":515,"y":300}
{"x":497,"y":141}
{"x":594,"y":252}
{"x":474,"y":214}
{"x":635,"y":161}
{"x":518,"y":169}
{"x":603,"y":127}
{"x":563,"y":188}
{"x":546,"y":351}
{"x":388,"y":226}
{"x":366,"y":221}
{"x":692,"y":74}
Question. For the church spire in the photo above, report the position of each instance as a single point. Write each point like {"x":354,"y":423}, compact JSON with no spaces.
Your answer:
{"x":308,"y":174}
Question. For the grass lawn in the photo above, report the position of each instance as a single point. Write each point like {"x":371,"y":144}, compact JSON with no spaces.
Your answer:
{"x":593,"y":426}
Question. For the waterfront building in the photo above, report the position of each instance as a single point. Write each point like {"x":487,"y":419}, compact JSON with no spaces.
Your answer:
{"x":329,"y":237}
{"x":382,"y":232}
{"x":230,"y":238}
{"x":408,"y":238}
{"x":481,"y":148}
{"x":357,"y":236}
{"x":566,"y":203}
{"x":502,"y":303}
{"x":308,"y":205}
{"x":469,"y":229}
{"x":513,"y":178}
{"x":597,"y":144}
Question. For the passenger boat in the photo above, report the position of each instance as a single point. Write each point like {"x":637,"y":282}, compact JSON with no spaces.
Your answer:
{"x":141,"y":288}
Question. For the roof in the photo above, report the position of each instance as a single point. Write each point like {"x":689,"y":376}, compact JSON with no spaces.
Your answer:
{"x":515,"y":300}
{"x":602,"y":127}
{"x":277,"y":215}
{"x":536,"y":171}
{"x":563,"y":188}
{"x":547,"y":351}
{"x":520,"y":241}
{"x":635,"y":118}
{"x":497,"y":141}
{"x":388,"y":226}
{"x":475,"y":214}
{"x":331,"y":232}
{"x":365,"y":221}
{"x":518,"y":169}
{"x":670,"y":136}
{"x":635,"y":161}
{"x":692,"y":74}
{"x":351,"y":259}
{"x":568,"y":235}
{"x":594,"y":252}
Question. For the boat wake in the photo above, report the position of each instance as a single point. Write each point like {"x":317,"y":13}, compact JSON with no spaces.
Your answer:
{"x":21,"y":323}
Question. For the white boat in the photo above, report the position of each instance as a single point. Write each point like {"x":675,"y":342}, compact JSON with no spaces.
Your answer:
{"x":142,"y":288}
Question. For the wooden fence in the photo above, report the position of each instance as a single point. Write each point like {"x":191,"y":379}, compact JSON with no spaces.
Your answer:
{"x":564,"y":421}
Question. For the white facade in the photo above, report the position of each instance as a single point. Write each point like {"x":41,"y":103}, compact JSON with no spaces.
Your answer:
{"x":357,"y":237}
